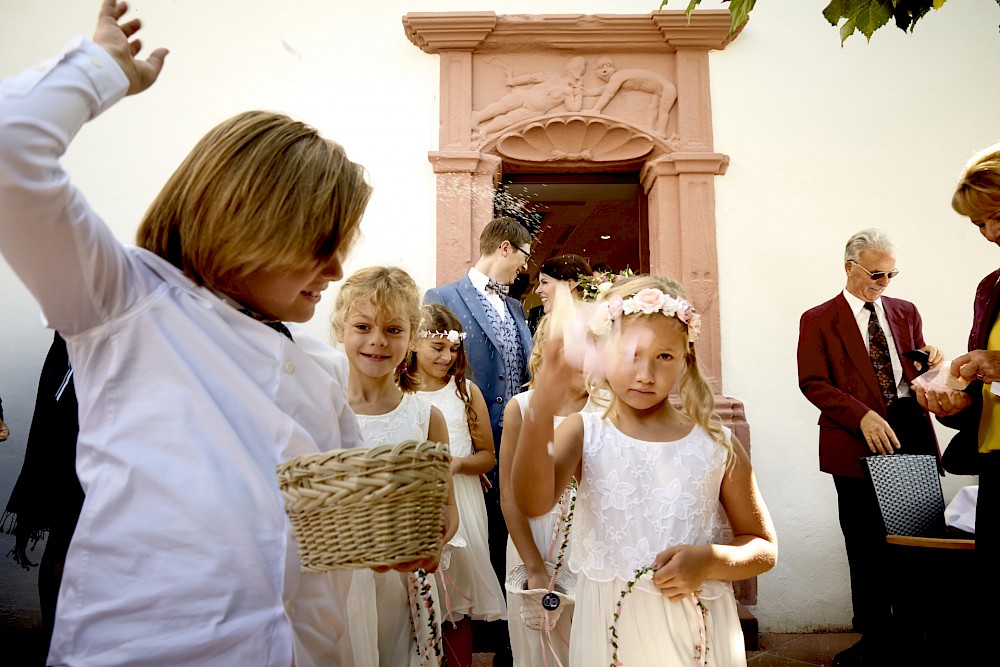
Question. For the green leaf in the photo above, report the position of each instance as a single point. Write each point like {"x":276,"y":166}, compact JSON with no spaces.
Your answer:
{"x":870,"y":16}
{"x":838,"y":9}
{"x":739,"y":10}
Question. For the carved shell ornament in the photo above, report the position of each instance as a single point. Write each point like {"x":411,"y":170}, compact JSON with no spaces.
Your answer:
{"x":574,"y":138}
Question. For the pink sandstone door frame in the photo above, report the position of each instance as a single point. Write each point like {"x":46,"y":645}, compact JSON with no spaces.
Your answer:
{"x":481,"y":54}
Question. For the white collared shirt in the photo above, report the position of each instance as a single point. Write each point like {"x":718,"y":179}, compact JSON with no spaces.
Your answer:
{"x":479,"y":281}
{"x":183,"y":553}
{"x":861,"y":316}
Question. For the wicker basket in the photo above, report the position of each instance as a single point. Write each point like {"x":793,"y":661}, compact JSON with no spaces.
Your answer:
{"x":367,"y":507}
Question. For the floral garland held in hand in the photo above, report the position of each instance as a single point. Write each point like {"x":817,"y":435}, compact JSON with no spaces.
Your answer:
{"x":700,"y":655}
{"x":419,"y":593}
{"x":452,"y":335}
{"x":593,"y":286}
{"x":646,"y":302}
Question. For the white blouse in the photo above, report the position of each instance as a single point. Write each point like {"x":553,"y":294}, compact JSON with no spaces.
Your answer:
{"x":182,"y":554}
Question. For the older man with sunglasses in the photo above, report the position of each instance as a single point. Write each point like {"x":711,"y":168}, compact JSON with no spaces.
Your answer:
{"x":857,"y":355}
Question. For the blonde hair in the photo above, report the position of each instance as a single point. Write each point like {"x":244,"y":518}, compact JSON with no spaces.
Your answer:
{"x":535,"y":358}
{"x":977,"y":194}
{"x":696,"y":396}
{"x":260,"y":191}
{"x":393,"y":293}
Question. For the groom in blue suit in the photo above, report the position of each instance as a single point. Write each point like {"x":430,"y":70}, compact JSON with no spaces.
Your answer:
{"x":497,"y":344}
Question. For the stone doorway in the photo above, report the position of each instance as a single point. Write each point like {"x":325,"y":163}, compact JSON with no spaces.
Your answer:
{"x":601,"y":217}
{"x":586,"y":94}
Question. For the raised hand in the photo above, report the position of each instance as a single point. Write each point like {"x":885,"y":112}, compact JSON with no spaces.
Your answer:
{"x":114,"y":39}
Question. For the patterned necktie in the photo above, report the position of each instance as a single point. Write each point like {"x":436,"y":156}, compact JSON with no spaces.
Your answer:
{"x":878,"y":349}
{"x":277,"y":326}
{"x":497,"y":288}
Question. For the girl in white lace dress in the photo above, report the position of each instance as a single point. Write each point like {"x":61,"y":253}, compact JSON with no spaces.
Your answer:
{"x":654,"y":484}
{"x":535,"y":541}
{"x":469,"y":585}
{"x":375,"y":318}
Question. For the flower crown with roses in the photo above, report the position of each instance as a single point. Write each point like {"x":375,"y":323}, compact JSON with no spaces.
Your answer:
{"x":600,"y":282}
{"x":452,"y":335}
{"x":646,"y":302}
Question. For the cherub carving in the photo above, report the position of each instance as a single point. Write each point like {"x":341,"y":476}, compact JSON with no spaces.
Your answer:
{"x":662,"y":91}
{"x":533,"y":95}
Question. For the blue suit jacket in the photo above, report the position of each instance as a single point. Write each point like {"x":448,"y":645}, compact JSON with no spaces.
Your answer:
{"x":481,"y":344}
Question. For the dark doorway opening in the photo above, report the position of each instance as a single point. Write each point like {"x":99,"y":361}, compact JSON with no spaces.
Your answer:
{"x":599,"y":216}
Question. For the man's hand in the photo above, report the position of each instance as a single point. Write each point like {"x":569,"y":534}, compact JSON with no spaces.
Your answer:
{"x":4,"y":431}
{"x":981,"y":365}
{"x":942,"y":403}
{"x":878,"y":434}
{"x":934,"y":355}
{"x":114,"y":39}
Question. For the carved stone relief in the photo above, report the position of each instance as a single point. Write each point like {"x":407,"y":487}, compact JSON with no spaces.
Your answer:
{"x":639,"y":96}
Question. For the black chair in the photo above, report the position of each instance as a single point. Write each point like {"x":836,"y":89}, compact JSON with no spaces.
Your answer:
{"x":908,"y":490}
{"x":928,"y":566}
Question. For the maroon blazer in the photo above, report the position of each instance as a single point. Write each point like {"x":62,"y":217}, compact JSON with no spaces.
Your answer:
{"x":836,"y":375}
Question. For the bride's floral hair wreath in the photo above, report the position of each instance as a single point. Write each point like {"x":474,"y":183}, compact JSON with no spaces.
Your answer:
{"x":647,"y":301}
{"x":452,"y":335}
{"x":600,"y":282}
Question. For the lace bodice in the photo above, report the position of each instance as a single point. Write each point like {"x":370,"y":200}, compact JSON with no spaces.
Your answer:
{"x":408,"y":421}
{"x":638,"y":498}
{"x":447,"y":401}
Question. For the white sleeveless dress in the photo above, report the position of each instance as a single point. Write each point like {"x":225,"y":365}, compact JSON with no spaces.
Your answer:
{"x":469,"y":585}
{"x":531,"y":648}
{"x":635,"y":499}
{"x":378,"y":606}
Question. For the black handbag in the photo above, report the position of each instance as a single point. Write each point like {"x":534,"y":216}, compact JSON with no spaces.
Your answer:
{"x":961,"y":456}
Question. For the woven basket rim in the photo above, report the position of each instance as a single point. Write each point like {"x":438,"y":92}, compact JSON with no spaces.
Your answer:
{"x":367,"y":506}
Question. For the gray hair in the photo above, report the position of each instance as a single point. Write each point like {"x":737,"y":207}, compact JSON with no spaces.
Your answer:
{"x":867,"y":239}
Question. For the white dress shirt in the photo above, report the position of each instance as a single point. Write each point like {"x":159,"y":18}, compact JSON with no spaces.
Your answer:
{"x":861,"y":316}
{"x":182,"y":554}
{"x":479,"y":281}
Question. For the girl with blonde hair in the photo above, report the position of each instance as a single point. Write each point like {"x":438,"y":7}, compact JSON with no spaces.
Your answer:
{"x":375,"y":318}
{"x":652,"y":570}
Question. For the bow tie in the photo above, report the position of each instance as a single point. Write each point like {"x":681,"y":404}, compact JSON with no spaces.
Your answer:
{"x":277,"y":326}
{"x":497,"y":288}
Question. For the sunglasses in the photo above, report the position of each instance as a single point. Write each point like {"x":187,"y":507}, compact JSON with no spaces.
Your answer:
{"x":877,"y":275}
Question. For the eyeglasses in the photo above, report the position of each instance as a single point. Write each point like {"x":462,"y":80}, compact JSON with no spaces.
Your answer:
{"x":527,"y":255}
{"x":876,"y":275}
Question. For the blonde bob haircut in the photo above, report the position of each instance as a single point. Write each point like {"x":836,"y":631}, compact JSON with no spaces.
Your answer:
{"x":393,"y":294}
{"x":693,"y":390}
{"x":978,"y":192}
{"x":260,"y":191}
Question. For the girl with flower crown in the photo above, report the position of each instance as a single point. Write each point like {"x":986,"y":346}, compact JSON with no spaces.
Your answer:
{"x":653,"y":570}
{"x":394,"y":614}
{"x":469,"y":586}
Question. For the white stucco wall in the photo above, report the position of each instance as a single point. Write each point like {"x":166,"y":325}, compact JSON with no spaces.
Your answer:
{"x":825,"y":140}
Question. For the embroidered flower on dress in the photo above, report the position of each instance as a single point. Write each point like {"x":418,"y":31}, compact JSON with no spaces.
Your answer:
{"x":613,"y":491}
{"x":638,"y":555}
{"x":596,"y":551}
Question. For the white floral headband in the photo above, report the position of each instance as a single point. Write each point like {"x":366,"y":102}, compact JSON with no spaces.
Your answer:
{"x":646,"y":302}
{"x":452,"y":335}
